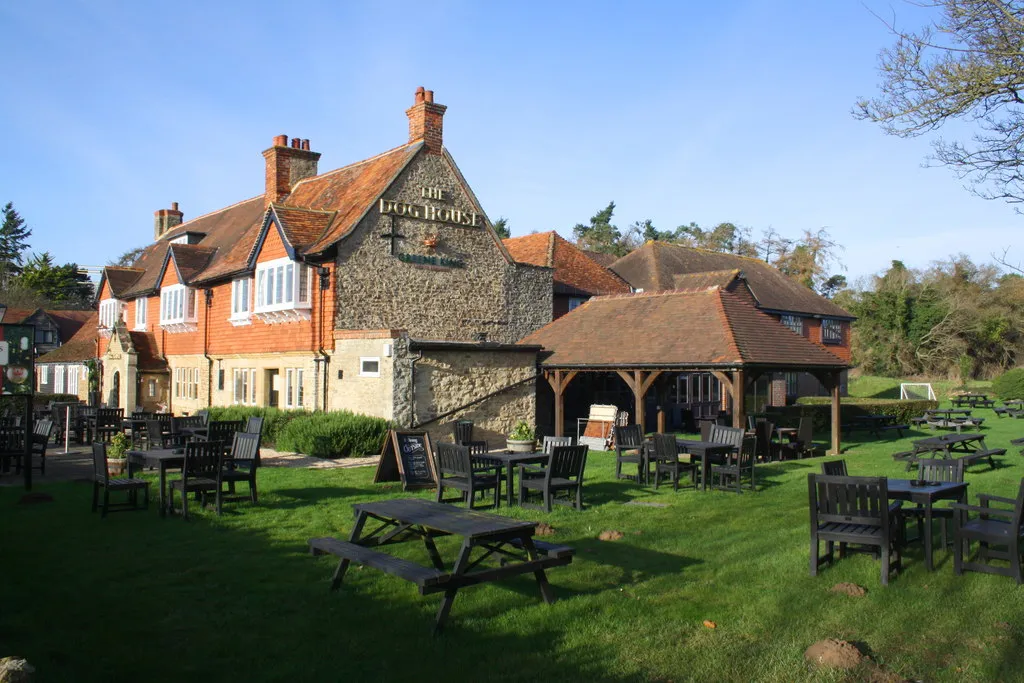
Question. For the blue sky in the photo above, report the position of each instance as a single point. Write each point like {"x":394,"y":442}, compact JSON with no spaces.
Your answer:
{"x":677,"y":111}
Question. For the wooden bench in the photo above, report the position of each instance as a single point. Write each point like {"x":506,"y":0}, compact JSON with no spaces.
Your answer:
{"x":1001,"y":412}
{"x":548,"y":549}
{"x":427,"y":579}
{"x":894,"y":428}
{"x":1018,"y":442}
{"x":971,"y":458}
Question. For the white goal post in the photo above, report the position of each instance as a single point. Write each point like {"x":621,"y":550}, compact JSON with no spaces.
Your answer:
{"x":917,"y":391}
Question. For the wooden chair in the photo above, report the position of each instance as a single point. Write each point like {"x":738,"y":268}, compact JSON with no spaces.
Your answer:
{"x":630,"y":449}
{"x":938,"y":469}
{"x":155,"y":436}
{"x":223,"y":431}
{"x":804,"y":446}
{"x":41,"y":432}
{"x":852,"y":510}
{"x":551,"y":441}
{"x":993,"y":528}
{"x":204,"y":415}
{"x":665,"y":456}
{"x":200,"y":474}
{"x":254,"y":425}
{"x":101,"y":478}
{"x":731,"y":435}
{"x":738,"y":466}
{"x":241,"y":465}
{"x":12,"y":446}
{"x":457,"y":469}
{"x":108,"y":423}
{"x":563,"y":474}
{"x":834,"y":468}
{"x":462,"y":431}
{"x":767,"y":448}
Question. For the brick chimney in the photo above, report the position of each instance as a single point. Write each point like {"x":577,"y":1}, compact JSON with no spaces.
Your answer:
{"x":165,"y":219}
{"x":286,"y":166}
{"x":425,"y":120}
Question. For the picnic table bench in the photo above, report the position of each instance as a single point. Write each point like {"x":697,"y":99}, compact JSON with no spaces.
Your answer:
{"x":404,"y":519}
{"x":968,"y":447}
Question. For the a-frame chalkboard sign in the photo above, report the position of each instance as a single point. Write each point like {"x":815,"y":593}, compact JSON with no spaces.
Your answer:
{"x":406,"y":456}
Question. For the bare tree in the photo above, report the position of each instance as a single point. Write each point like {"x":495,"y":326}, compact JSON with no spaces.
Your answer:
{"x":968,"y":65}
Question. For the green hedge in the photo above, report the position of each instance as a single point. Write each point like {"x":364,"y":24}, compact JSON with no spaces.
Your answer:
{"x":820,"y":408}
{"x":10,"y":405}
{"x":1009,"y":385}
{"x":334,"y":435}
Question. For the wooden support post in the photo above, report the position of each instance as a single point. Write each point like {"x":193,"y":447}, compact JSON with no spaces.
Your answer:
{"x":662,"y":393}
{"x":739,"y":400}
{"x":835,"y":413}
{"x":639,"y":384}
{"x":558,"y":382}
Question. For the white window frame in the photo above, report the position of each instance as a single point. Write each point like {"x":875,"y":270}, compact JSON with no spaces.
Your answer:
{"x":141,"y":308}
{"x":58,"y":379}
{"x":44,"y":374}
{"x":241,"y":301}
{"x":363,"y":360}
{"x":72,"y":380}
{"x":281,"y":291}
{"x":293,"y":394}
{"x":243,"y":386}
{"x":793,"y":322}
{"x":178,"y":308}
{"x":835,"y":338}
{"x":110,"y":311}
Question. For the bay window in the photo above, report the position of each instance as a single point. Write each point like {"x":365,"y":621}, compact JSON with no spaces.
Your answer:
{"x":177,"y":308}
{"x":282,"y":291}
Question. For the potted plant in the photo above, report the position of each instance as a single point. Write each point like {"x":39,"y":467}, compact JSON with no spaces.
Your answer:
{"x":117,"y":454}
{"x":521,"y":439}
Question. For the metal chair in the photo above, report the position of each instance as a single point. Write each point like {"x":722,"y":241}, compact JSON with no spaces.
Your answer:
{"x":101,"y":479}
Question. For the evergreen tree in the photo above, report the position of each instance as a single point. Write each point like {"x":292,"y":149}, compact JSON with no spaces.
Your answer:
{"x":501,"y":227}
{"x":63,"y":286}
{"x":13,"y":240}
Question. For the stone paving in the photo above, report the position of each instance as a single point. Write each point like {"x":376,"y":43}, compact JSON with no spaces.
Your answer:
{"x":76,"y":465}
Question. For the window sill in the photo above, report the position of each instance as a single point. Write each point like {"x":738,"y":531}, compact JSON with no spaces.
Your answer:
{"x":177,"y":328}
{"x":238,"y":322}
{"x":287,"y":315}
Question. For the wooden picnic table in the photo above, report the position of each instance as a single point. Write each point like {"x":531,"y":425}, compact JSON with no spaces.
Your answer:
{"x":708,"y":452}
{"x":971,"y":446}
{"x":948,"y":413}
{"x":925,"y":496}
{"x":403,"y":519}
{"x":164,"y":459}
{"x":510,"y":460}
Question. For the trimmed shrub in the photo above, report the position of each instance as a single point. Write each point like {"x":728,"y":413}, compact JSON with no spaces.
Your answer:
{"x":333,"y":435}
{"x":274,"y":419}
{"x":820,"y":408}
{"x":11,"y":405}
{"x":1009,"y":385}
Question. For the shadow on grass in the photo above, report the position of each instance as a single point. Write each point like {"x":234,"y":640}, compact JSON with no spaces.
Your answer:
{"x":614,"y":492}
{"x":309,"y":496}
{"x":636,"y":561}
{"x":205,"y":583}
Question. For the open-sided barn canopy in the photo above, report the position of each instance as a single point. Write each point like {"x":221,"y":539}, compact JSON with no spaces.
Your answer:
{"x":642,"y":336}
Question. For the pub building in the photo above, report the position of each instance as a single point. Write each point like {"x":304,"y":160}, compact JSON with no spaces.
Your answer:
{"x":379,"y":287}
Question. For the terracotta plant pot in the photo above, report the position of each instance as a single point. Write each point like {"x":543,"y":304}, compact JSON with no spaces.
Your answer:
{"x":116,"y":466}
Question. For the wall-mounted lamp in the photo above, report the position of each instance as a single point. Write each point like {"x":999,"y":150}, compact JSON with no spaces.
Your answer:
{"x":208,"y":292}
{"x":325,"y":277}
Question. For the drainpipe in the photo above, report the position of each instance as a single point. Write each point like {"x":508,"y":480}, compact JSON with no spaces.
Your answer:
{"x":412,"y":389}
{"x":208,"y":293}
{"x":325,"y":282}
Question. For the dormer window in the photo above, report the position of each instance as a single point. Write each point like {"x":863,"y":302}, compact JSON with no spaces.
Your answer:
{"x":831,"y":331}
{"x":178,"y":308}
{"x":111,"y":311}
{"x":282,"y":291}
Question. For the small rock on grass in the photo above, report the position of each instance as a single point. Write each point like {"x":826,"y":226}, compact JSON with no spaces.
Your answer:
{"x":610,"y":535}
{"x":851,"y":589}
{"x":544,"y":529}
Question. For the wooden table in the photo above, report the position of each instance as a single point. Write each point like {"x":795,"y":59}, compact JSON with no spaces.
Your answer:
{"x":971,"y":446}
{"x":925,"y":496}
{"x":403,"y":519}
{"x":948,"y":413}
{"x":510,"y":460}
{"x":706,"y":452}
{"x":164,"y":459}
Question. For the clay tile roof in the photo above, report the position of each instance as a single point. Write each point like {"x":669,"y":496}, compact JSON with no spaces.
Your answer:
{"x":604,"y":259}
{"x":575,"y":272}
{"x":675,"y":329}
{"x":654,"y":266}
{"x":121,"y":279}
{"x":190,"y":259}
{"x":712,"y":278}
{"x":13,"y":316}
{"x":149,"y":358}
{"x":302,"y":227}
{"x":81,"y":346}
{"x":69,"y":322}
{"x":349,"y":191}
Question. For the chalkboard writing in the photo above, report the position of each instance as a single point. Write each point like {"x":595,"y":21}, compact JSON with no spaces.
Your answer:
{"x":406,"y":456}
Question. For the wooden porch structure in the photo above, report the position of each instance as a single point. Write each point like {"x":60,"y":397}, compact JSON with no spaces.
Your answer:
{"x":644,"y":337}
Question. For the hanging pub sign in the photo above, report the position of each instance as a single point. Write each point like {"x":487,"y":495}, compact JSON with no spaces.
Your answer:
{"x":17,"y":360}
{"x":406,"y":456}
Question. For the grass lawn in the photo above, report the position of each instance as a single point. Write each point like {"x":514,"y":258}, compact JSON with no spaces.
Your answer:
{"x":873,"y":386}
{"x":135,"y":597}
